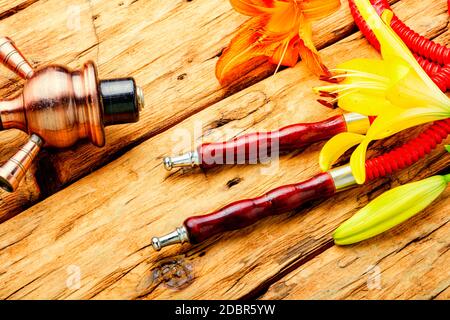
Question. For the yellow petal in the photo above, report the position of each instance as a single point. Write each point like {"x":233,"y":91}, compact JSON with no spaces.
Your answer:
{"x":388,"y":124}
{"x":336,"y":147}
{"x":393,"y":122}
{"x":407,"y":92}
{"x":358,"y":161}
{"x":393,"y":46}
{"x":365,"y":103}
{"x":390,"y":209}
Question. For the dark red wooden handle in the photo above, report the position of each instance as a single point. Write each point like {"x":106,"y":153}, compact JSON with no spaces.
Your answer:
{"x":262,"y":146}
{"x":243,"y":213}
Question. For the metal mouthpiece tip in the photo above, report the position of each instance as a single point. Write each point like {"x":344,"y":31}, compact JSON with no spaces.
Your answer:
{"x":190,"y":159}
{"x":180,"y":236}
{"x":156,"y":244}
{"x":168,"y":163}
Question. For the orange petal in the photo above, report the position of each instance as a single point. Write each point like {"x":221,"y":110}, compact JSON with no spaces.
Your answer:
{"x":284,"y":21}
{"x":318,"y":9}
{"x":308,"y":51}
{"x":258,"y":7}
{"x":248,"y":44}
{"x":287,"y":53}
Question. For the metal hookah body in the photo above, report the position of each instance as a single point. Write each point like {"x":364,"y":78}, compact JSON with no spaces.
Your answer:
{"x":58,"y":107}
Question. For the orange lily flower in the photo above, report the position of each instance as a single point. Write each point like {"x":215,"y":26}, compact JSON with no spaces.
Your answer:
{"x":279,"y":32}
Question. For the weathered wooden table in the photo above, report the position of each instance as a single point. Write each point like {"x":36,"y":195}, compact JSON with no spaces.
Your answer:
{"x":81,"y":223}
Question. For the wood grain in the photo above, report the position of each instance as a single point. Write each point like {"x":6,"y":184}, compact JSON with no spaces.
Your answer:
{"x":10,"y":7}
{"x":102,"y":224}
{"x":177,"y":74}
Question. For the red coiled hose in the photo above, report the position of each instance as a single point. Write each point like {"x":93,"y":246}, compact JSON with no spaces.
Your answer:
{"x":440,"y":75}
{"x":417,"y":43}
{"x":409,"y":153}
{"x":442,"y":78}
{"x":423,"y":50}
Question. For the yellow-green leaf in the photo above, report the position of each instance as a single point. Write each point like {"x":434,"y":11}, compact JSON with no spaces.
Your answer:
{"x":390,"y":209}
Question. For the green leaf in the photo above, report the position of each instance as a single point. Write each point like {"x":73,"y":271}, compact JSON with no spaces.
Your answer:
{"x":447,"y":147}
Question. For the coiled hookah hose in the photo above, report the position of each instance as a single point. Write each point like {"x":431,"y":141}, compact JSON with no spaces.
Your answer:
{"x":246,"y":212}
{"x":433,"y":57}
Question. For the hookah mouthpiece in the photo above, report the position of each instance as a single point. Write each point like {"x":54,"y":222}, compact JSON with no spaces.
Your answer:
{"x":180,"y":236}
{"x":258,"y":147}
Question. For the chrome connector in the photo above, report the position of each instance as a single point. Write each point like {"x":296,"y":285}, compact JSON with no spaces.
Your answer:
{"x":357,"y":123}
{"x":180,"y":235}
{"x":343,"y":177}
{"x":190,"y":159}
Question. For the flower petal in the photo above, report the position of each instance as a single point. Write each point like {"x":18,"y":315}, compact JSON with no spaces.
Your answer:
{"x":358,"y":161}
{"x":365,"y":103}
{"x":258,"y":7}
{"x":408,"y":92}
{"x":393,"y":122}
{"x":388,"y":124}
{"x":336,"y":147}
{"x":318,"y":9}
{"x":287,"y":53}
{"x":393,"y":46}
{"x":245,"y":48}
{"x":390,"y":209}
{"x":308,"y":51}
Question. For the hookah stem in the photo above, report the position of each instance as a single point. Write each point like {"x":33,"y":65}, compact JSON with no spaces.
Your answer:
{"x":241,"y":214}
{"x":246,"y":212}
{"x":259,"y":147}
{"x":423,"y":49}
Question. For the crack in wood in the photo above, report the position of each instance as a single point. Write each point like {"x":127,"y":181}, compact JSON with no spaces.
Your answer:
{"x":262,"y":288}
{"x":20,"y":7}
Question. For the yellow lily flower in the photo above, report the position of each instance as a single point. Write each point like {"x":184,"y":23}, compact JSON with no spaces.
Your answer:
{"x":390,"y":209}
{"x":395,"y":89}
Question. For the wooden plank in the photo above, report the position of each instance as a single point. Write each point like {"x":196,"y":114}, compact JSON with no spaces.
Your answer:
{"x":102,"y":224}
{"x":10,"y":7}
{"x":177,"y":74}
{"x":409,"y":262}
